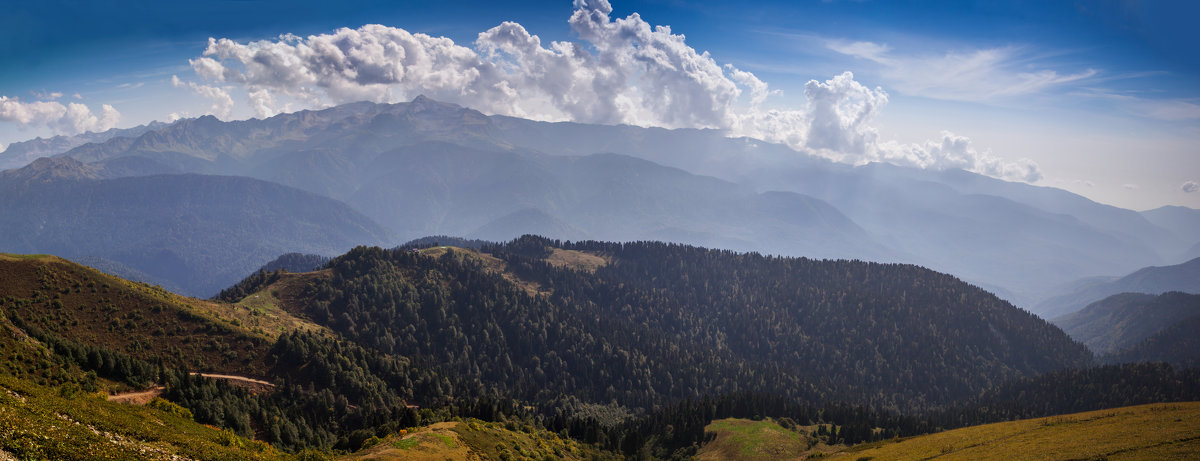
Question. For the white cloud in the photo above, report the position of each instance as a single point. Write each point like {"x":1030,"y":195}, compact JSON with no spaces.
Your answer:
{"x":1130,"y":186}
{"x":840,"y":112}
{"x":72,"y":118}
{"x":976,"y":75}
{"x":222,"y":102}
{"x":1189,"y":187}
{"x":46,"y":95}
{"x":623,"y":70}
{"x":954,"y":151}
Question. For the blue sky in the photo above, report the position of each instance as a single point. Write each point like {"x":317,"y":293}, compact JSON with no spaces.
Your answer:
{"x":1098,"y":97}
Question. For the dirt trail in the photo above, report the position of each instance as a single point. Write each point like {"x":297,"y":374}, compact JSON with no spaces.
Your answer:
{"x":145,"y":396}
{"x":241,"y":379}
{"x":137,"y":397}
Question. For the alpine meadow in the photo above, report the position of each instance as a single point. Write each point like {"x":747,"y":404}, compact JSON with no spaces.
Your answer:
{"x":599,"y":230}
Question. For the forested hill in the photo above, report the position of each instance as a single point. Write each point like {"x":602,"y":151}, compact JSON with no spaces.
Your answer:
{"x":647,"y":323}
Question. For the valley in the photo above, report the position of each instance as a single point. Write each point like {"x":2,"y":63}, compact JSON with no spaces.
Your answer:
{"x":388,"y":173}
{"x":544,"y":335}
{"x":599,"y":230}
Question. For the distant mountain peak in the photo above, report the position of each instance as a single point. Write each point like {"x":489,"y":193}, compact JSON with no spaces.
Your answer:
{"x":423,"y":105}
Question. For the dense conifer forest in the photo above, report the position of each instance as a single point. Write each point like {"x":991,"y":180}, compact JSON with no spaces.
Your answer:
{"x":664,"y":322}
{"x":633,"y":348}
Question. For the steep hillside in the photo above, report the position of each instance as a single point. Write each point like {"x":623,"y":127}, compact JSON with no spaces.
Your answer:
{"x":1071,"y":391}
{"x":1121,"y":321}
{"x":37,"y":422}
{"x":1151,"y":280}
{"x":1159,"y":431}
{"x":88,"y":307}
{"x":69,"y":325}
{"x":1176,"y":344}
{"x":658,"y":322}
{"x":201,"y":233}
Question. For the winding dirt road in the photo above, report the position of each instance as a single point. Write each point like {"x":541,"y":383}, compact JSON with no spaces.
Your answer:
{"x":241,"y":379}
{"x":145,"y":396}
{"x":137,"y":397}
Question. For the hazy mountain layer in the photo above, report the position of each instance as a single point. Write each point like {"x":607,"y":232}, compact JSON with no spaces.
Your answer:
{"x":1184,"y":222}
{"x":19,"y":154}
{"x":200,"y":233}
{"x":1121,"y":321}
{"x":1176,"y":344}
{"x":1152,"y":280}
{"x":426,"y":167}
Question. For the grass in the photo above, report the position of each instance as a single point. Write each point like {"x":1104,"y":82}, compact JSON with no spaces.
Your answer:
{"x":490,"y":264}
{"x":41,"y":423}
{"x":740,"y":439}
{"x":74,"y":301}
{"x":1156,"y":431}
{"x":576,"y":260}
{"x":265,"y":312}
{"x":29,"y":257}
{"x":474,"y":439}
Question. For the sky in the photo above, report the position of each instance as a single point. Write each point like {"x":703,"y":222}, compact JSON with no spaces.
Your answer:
{"x":1101,"y":98}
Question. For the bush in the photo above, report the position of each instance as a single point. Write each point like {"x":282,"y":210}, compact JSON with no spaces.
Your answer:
{"x":171,"y":408}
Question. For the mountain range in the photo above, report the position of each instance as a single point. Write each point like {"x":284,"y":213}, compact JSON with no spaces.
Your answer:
{"x":199,"y":233}
{"x":627,"y":348}
{"x":1072,"y":297}
{"x":1122,"y":321}
{"x":425,"y":167}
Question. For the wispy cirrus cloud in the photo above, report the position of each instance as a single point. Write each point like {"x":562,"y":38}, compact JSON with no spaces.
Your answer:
{"x":979,"y":75}
{"x":1165,"y":109}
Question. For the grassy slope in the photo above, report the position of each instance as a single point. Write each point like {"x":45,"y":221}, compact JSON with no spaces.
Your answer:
{"x":88,"y":306}
{"x":1156,"y":431}
{"x":263,"y":311}
{"x":740,"y":439}
{"x":277,"y":308}
{"x":43,"y":423}
{"x":576,"y":260}
{"x":473,"y":439}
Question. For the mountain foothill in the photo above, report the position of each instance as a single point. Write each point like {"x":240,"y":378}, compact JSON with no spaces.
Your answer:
{"x":566,"y":291}
{"x":368,"y":173}
{"x":599,"y":342}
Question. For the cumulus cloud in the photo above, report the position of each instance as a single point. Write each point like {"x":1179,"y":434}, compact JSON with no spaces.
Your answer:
{"x":840,"y":111}
{"x":1189,"y":187}
{"x":71,"y":118}
{"x":953,"y":151}
{"x":622,"y":70}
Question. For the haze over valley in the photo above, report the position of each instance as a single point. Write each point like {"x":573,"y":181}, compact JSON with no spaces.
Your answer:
{"x":484,"y":234}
